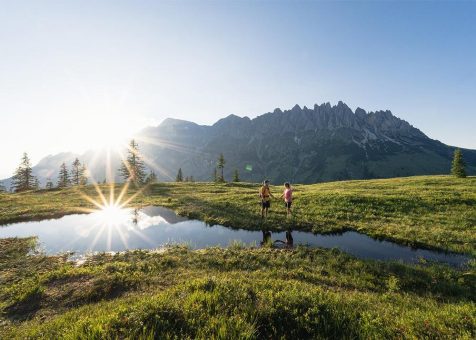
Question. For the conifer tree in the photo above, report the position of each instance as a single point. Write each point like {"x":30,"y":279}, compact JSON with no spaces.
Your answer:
{"x":49,"y":184}
{"x":236,"y":176}
{"x":221,"y":165}
{"x":133,"y":167}
{"x":77,"y":172}
{"x":151,"y":178}
{"x":84,"y":178}
{"x":36,"y":184}
{"x":23,"y":178}
{"x":179,"y":177}
{"x":458,"y":165}
{"x":63,"y":177}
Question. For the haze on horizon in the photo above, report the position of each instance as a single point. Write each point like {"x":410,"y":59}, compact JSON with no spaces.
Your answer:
{"x":78,"y":76}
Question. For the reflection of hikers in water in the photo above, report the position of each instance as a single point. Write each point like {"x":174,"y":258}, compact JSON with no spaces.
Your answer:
{"x":266,"y":237}
{"x":289,"y":240}
{"x":288,"y":198}
{"x":265,"y":194}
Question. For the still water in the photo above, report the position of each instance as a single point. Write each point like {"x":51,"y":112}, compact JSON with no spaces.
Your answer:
{"x":154,"y":227}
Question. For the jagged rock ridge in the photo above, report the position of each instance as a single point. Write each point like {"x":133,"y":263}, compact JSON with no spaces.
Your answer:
{"x":300,"y":145}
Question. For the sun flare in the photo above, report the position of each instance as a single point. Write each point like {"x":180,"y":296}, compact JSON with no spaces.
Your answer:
{"x":113,"y":214}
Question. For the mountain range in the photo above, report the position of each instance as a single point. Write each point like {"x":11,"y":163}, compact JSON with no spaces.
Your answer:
{"x":301,"y":145}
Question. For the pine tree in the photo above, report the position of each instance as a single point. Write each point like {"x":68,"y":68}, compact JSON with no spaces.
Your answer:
{"x":133,"y":167}
{"x":23,"y":178}
{"x":151,"y":178}
{"x":215,"y":175}
{"x":221,"y":165}
{"x":63,"y":176}
{"x":84,"y":178}
{"x":77,"y":172}
{"x":179,"y":177}
{"x":458,"y":165}
{"x":49,"y":184}
{"x":236,"y":176}
{"x":36,"y":184}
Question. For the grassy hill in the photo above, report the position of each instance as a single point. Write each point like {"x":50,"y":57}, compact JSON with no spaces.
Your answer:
{"x":251,"y":293}
{"x":430,"y":211}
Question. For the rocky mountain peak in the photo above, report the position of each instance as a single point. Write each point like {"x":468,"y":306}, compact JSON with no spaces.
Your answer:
{"x":172,"y":122}
{"x":296,"y":108}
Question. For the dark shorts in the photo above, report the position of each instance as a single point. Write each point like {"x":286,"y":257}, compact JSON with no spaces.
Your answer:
{"x":288,"y":204}
{"x":265,"y":204}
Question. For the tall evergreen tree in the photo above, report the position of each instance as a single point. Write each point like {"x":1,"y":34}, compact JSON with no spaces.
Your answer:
{"x":133,"y":167}
{"x":221,"y":165}
{"x":49,"y":184}
{"x":63,"y":176}
{"x":236,"y":176}
{"x":179,"y":177}
{"x":36,"y":184}
{"x":23,"y":178}
{"x":77,"y":172}
{"x":84,"y":175}
{"x":458,"y":165}
{"x":151,"y":178}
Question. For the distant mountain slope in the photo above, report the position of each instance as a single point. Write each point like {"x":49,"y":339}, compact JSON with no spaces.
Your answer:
{"x":302,"y":145}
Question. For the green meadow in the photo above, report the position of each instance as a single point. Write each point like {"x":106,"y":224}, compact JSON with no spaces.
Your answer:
{"x":249,"y":292}
{"x":428,"y":211}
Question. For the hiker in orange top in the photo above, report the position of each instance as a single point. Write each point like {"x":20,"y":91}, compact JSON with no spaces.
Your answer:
{"x":265,"y":194}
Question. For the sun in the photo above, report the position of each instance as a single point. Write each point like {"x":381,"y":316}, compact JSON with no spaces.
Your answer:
{"x":112,"y":214}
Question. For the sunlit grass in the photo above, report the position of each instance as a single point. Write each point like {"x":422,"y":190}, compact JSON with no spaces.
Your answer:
{"x":230,"y":293}
{"x":431,"y":211}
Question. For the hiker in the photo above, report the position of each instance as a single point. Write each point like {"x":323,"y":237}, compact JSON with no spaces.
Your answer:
{"x":265,"y":194}
{"x":288,"y":198}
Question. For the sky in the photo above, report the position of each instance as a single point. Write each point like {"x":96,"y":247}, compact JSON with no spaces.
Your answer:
{"x":76,"y":75}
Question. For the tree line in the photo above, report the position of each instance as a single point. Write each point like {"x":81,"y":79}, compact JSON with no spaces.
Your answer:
{"x":23,"y":178}
{"x":217,"y":175}
{"x":133,"y":169}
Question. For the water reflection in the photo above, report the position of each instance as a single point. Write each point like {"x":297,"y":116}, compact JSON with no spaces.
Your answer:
{"x":153,"y":227}
{"x":266,"y":238}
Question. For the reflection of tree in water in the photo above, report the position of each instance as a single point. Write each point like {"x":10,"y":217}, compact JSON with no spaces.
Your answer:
{"x":135,"y":216}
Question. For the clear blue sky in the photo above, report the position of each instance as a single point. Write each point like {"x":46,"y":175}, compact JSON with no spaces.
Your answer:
{"x":70,"y":71}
